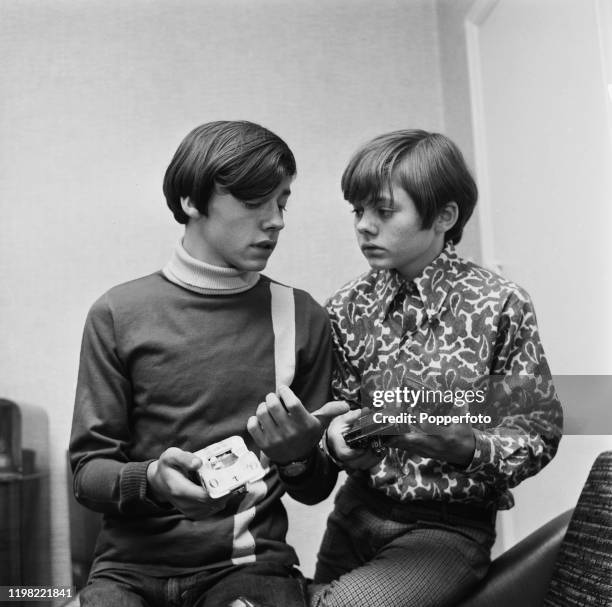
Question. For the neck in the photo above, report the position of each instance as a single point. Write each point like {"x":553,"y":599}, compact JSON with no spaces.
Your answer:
{"x":188,"y":271}
{"x":412,"y":270}
{"x":194,"y":245}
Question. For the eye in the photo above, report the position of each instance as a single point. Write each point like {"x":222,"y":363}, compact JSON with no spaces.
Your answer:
{"x":252,"y":204}
{"x":281,"y":203}
{"x":385,"y":213}
{"x":358,"y":211}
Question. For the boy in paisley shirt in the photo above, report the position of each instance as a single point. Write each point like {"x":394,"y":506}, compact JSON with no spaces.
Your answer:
{"x":415,"y":525}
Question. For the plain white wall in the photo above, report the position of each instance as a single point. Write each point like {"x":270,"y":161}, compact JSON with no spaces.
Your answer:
{"x":549,"y":157}
{"x":96,"y":97}
{"x":456,"y":99}
{"x":549,"y":160}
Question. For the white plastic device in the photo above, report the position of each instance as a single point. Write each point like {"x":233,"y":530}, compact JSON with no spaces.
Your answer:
{"x":228,"y":466}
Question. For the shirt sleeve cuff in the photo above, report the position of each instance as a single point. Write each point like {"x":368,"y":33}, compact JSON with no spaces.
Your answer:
{"x":482,"y":453}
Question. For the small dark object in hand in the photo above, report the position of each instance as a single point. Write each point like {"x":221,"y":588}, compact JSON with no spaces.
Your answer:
{"x":365,"y":433}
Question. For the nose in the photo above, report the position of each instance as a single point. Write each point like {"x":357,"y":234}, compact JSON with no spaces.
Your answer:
{"x":366,"y":224}
{"x":273,"y":217}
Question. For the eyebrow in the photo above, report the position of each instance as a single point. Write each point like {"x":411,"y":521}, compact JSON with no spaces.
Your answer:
{"x":376,"y":202}
{"x":284,"y":192}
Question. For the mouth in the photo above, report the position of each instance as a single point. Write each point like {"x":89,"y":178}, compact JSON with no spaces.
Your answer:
{"x":265,"y":245}
{"x":371,"y":248}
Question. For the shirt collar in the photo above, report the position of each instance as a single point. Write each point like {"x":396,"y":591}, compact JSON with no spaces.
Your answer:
{"x":431,"y":285}
{"x":201,"y":277}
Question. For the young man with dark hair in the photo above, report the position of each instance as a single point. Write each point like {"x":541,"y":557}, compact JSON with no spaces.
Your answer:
{"x":415,"y":521}
{"x":177,"y":361}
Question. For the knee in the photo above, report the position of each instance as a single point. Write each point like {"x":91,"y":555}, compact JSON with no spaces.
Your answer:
{"x":109,"y":594}
{"x":337,"y":594}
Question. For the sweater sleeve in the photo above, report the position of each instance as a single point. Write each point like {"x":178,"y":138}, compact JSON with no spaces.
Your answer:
{"x":104,"y":478}
{"x":312,"y":386}
{"x":522,"y":401}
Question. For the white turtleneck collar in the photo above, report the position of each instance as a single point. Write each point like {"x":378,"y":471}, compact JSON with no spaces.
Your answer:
{"x":201,"y":277}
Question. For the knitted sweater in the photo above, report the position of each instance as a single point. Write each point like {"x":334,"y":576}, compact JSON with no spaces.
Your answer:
{"x":163,"y":364}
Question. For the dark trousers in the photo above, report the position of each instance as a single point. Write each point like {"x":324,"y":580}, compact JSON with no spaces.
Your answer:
{"x":266,"y":584}
{"x":379,"y":552}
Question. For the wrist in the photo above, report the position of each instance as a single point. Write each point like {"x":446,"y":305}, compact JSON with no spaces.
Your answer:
{"x":465,"y":450}
{"x":327,"y":449}
{"x":298,"y":467}
{"x":152,"y":490}
{"x":293,"y":456}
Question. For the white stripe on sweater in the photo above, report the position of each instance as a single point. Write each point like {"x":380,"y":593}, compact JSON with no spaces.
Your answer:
{"x":283,"y":325}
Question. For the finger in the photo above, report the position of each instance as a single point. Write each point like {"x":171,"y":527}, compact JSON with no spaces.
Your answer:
{"x":405,"y":441}
{"x":339,"y":447}
{"x":350,"y":416}
{"x":330,"y":410}
{"x":342,"y":423}
{"x":276,"y":409}
{"x":287,"y":394}
{"x":293,"y":405}
{"x":347,"y":420}
{"x":266,"y":423}
{"x":416,"y":443}
{"x":182,"y":488}
{"x":177,"y":458}
{"x":255,"y":431}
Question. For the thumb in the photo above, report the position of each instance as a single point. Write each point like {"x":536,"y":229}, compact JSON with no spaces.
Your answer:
{"x":330,"y":410}
{"x":177,"y":458}
{"x":353,"y":415}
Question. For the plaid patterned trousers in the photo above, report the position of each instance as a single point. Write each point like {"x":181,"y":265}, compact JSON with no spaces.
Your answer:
{"x":376,"y":552}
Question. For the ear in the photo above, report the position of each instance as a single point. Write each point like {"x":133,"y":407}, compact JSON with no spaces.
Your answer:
{"x":447,"y":217}
{"x":189,"y":208}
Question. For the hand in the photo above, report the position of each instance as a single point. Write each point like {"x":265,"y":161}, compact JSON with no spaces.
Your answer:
{"x":452,"y":443}
{"x":285,"y":431}
{"x":168,"y":479}
{"x":354,"y":459}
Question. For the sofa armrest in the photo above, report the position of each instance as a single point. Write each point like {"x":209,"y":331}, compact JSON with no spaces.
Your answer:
{"x":520,"y":576}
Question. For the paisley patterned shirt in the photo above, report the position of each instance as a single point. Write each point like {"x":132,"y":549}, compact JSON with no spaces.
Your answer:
{"x":456,"y":326}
